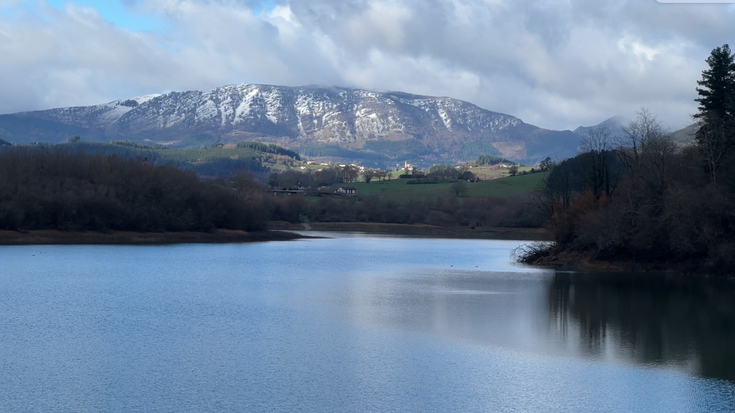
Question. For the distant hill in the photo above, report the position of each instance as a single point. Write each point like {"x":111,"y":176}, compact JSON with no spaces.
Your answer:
{"x":614,"y":124}
{"x":685,"y":136}
{"x":319,"y":122}
{"x":214,"y":161}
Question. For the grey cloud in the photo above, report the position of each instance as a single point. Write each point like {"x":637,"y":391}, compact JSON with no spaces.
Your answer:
{"x":557,"y":64}
{"x":577,"y":50}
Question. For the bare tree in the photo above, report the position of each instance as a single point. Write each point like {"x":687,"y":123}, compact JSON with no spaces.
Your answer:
{"x":596,"y":140}
{"x":350,"y":173}
{"x":369,"y":174}
{"x":714,"y":145}
{"x":656,"y":164}
{"x":245,"y":186}
{"x":459,"y":188}
{"x":597,"y":143}
{"x":638,"y":133}
{"x":545,"y":198}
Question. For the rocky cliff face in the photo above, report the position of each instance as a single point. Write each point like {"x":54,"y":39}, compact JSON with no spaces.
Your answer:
{"x":394,"y":126}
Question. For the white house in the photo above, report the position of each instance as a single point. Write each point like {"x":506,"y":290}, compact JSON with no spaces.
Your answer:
{"x":346,"y":190}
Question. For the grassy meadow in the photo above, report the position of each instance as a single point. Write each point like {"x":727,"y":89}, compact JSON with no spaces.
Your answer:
{"x":400,"y":189}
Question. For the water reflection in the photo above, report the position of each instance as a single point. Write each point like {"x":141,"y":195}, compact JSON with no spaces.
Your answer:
{"x":494,"y":308}
{"x":649,"y":319}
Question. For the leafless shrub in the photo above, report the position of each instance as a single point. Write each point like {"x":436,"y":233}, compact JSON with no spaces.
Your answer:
{"x":529,"y":253}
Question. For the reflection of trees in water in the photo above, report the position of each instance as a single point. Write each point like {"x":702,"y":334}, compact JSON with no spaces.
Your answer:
{"x":649,"y":319}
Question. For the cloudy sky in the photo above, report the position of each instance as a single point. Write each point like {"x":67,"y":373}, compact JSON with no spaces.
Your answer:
{"x":554,"y":63}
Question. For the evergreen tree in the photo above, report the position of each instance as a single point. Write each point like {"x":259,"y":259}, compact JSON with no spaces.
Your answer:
{"x":716,"y":134}
{"x":717,"y":86}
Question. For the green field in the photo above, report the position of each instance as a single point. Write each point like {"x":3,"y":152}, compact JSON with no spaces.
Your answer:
{"x":399,"y":188}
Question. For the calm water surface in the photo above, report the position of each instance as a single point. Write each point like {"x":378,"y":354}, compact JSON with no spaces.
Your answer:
{"x":352,"y":324}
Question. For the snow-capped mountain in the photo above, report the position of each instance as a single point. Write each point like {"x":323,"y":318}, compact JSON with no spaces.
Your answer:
{"x":392,"y":125}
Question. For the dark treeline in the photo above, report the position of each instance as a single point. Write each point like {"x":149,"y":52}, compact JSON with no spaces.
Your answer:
{"x":313,"y":178}
{"x":643,"y":198}
{"x":471,"y":150}
{"x":130,"y":144}
{"x":53,"y":188}
{"x":269,"y":148}
{"x":441,"y":210}
{"x":444,"y":171}
{"x":492,"y":160}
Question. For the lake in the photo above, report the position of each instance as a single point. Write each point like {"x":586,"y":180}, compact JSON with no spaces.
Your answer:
{"x":355,"y":323}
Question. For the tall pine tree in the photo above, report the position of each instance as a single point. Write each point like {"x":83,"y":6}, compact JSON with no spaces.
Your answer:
{"x":717,"y":85}
{"x":716,"y":134}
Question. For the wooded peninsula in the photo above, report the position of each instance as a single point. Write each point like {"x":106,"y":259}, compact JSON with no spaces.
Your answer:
{"x":644,"y":199}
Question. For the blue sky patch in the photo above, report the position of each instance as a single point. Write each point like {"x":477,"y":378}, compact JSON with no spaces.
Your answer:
{"x":115,"y":12}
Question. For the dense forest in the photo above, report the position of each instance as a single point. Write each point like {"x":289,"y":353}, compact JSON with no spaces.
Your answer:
{"x":492,"y":160}
{"x":645,"y":199}
{"x":269,"y":148}
{"x":441,"y":210}
{"x":54,"y":188}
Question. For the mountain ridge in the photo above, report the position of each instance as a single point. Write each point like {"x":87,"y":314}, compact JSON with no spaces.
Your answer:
{"x":389,"y":126}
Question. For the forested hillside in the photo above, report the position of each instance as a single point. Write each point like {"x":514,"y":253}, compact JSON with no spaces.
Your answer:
{"x":214,"y":161}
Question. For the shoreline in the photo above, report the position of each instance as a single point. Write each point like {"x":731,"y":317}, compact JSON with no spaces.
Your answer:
{"x":277,"y":231}
{"x":419,"y":230}
{"x":565,"y":261}
{"x":224,"y":236}
{"x":580,"y":262}
{"x":280,"y":231}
